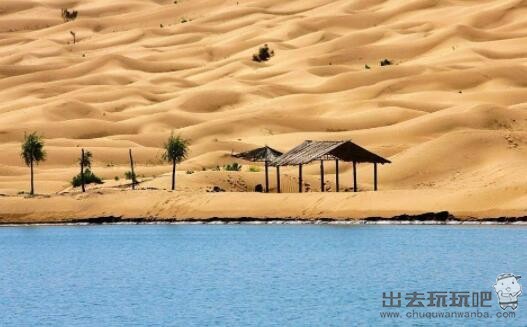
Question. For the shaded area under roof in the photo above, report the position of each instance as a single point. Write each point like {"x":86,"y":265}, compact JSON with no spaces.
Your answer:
{"x":315,"y":150}
{"x":260,"y":154}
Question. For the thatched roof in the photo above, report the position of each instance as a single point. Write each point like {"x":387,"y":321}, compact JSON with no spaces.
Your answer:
{"x":315,"y":150}
{"x":261,"y":154}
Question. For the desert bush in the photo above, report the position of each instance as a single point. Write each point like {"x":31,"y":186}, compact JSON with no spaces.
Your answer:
{"x":190,"y":172}
{"x":264,"y":54}
{"x":89,"y":178}
{"x":233,"y":167}
{"x":68,"y":16}
{"x":385,"y":62}
{"x":216,"y":189}
{"x":254,"y":169}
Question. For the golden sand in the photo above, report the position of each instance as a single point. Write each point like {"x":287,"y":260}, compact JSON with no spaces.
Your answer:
{"x":450,"y":113}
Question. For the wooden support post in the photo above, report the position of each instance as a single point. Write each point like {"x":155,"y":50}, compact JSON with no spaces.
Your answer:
{"x":266,"y":176}
{"x":322,"y":188}
{"x":278,"y":186}
{"x":375,"y":176}
{"x":82,"y":171}
{"x":337,"y":175}
{"x":354,"y":176}
{"x":300,"y":181}
{"x":132,"y":168}
{"x":173,"y":174}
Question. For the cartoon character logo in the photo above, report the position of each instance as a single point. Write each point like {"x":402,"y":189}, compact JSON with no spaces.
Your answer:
{"x":508,"y":290}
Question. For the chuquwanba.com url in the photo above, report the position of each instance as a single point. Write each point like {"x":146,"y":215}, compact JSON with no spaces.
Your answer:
{"x":446,"y":315}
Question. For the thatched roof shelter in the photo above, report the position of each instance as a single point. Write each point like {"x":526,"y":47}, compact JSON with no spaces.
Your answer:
{"x":260,"y":154}
{"x":348,"y":151}
{"x":264,"y":154}
{"x":327,"y":150}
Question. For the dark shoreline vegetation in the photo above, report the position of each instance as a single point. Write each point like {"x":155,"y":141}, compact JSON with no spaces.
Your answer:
{"x":429,"y":218}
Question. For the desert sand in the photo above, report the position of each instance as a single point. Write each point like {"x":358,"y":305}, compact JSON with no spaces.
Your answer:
{"x":450,"y":112}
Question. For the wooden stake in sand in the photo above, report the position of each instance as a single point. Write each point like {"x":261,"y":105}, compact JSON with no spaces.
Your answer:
{"x":132,"y":168}
{"x":322,"y":175}
{"x":337,"y":186}
{"x":354,"y":176}
{"x":82,"y":171}
{"x":375,"y":176}
{"x":266,"y":176}
{"x":278,"y":187}
{"x":300,"y":181}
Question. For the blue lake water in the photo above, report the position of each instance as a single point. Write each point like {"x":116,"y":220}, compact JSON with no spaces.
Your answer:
{"x":251,"y":275}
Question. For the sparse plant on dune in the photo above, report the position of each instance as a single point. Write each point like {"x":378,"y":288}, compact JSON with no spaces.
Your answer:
{"x":33,"y":152}
{"x":264,"y":54}
{"x":233,"y":167}
{"x":254,"y":169}
{"x":385,"y":62}
{"x":176,"y":150}
{"x":68,"y":16}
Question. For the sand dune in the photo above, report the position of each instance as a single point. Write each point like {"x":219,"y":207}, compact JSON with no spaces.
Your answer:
{"x":450,"y":112}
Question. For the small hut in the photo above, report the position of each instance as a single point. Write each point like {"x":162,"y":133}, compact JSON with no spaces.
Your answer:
{"x":347,"y":151}
{"x":267,"y":155}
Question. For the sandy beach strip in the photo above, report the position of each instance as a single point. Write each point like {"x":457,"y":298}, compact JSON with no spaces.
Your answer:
{"x":142,"y":206}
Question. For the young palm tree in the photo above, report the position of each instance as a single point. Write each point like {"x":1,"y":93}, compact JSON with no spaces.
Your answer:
{"x":176,"y":150}
{"x":85,"y":159}
{"x":33,"y":152}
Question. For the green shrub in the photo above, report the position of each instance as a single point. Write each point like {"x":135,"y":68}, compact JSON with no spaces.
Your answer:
{"x":129,"y":176}
{"x":89,"y":178}
{"x":233,"y":167}
{"x":254,"y":169}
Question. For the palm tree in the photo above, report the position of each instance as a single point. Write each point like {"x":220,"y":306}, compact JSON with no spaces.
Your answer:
{"x":176,"y":150}
{"x":33,"y":152}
